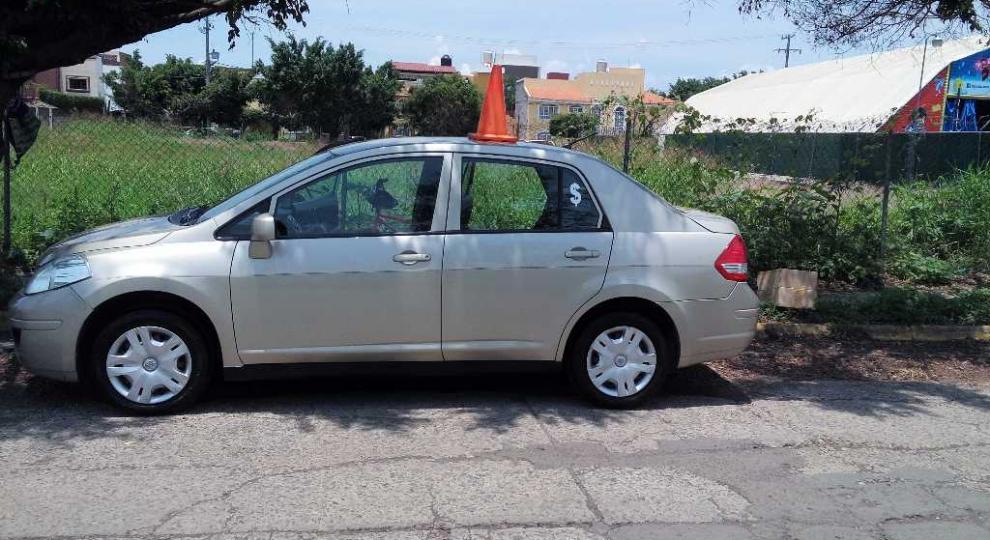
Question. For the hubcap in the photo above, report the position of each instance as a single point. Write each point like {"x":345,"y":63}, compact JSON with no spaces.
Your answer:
{"x":149,"y":364}
{"x":622,"y":361}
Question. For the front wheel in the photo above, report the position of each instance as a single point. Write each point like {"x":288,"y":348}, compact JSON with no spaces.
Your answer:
{"x":619,"y":360}
{"x":150,"y":361}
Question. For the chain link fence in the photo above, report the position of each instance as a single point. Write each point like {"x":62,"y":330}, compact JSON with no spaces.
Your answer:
{"x":86,"y":171}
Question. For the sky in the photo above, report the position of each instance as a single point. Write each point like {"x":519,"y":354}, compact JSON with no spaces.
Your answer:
{"x":670,"y":39}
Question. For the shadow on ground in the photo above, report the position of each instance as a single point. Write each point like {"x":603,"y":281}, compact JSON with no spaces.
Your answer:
{"x":31,"y":407}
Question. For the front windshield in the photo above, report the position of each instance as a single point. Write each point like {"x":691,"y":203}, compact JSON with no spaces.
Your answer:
{"x":252,"y":190}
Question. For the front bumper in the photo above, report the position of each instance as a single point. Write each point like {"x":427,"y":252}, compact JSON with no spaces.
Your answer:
{"x":46,"y":327}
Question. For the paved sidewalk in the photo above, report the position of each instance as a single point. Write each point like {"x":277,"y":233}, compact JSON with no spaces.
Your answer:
{"x":501,"y":458}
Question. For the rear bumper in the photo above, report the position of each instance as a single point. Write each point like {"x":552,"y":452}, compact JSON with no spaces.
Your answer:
{"x":45,"y":328}
{"x":717,"y":329}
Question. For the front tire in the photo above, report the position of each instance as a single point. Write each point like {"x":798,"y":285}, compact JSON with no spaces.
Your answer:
{"x":150,"y":362}
{"x":619,"y":360}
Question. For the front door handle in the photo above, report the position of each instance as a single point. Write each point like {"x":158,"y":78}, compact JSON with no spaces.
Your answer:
{"x":410,"y":258}
{"x":580,"y":254}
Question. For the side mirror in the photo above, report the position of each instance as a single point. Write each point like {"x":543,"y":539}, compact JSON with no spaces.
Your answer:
{"x":262,"y":234}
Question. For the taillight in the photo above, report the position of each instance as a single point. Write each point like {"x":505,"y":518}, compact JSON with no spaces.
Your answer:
{"x":733,"y":263}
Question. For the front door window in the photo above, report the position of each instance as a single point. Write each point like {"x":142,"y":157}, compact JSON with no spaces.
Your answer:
{"x":395,"y":196}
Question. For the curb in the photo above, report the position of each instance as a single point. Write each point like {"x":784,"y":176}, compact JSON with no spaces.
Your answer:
{"x":879,"y":332}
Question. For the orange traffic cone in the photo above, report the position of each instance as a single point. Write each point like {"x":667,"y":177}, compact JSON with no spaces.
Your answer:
{"x":492,"y":126}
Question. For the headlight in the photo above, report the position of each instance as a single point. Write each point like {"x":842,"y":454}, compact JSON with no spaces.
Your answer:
{"x":57,"y":274}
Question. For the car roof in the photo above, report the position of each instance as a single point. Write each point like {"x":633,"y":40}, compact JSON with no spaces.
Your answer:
{"x":464,"y":142}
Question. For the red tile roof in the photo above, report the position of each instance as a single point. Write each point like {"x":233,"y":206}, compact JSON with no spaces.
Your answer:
{"x":558,"y":93}
{"x":417,"y":67}
{"x":649,"y":98}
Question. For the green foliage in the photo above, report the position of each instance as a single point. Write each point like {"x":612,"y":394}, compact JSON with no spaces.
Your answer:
{"x":573,"y":125}
{"x":327,"y":89}
{"x":177,"y":88}
{"x":444,"y":105}
{"x":377,"y":108}
{"x":71,"y":103}
{"x":923,"y":269}
{"x":149,"y":91}
{"x":947,"y":219}
{"x":907,"y":306}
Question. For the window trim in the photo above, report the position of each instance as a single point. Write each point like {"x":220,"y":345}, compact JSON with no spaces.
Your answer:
{"x":438,"y":225}
{"x":575,"y":109}
{"x":454,"y":201}
{"x":615,"y":118}
{"x":68,"y":87}
{"x":555,"y":110}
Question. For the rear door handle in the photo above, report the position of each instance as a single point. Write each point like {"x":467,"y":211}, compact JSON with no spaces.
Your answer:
{"x":410,"y":258}
{"x":580,"y":254}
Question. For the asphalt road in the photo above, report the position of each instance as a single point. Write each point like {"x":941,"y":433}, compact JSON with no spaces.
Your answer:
{"x":501,"y":458}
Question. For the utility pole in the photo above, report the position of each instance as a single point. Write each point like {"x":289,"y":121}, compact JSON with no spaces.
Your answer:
{"x":206,"y":31}
{"x":787,"y":49}
{"x":252,"y":50}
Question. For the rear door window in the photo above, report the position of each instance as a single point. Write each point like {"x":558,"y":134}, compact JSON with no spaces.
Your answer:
{"x":504,"y":195}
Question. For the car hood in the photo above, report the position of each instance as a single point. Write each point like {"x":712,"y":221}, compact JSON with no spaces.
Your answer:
{"x":713,"y":222}
{"x":133,"y":233}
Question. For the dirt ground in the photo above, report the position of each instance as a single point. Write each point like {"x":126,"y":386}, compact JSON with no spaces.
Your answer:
{"x":812,"y":358}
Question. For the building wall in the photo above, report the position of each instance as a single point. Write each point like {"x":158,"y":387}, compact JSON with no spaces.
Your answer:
{"x":91,"y":71}
{"x":530,"y":123}
{"x":597,"y":86}
{"x":629,"y":82}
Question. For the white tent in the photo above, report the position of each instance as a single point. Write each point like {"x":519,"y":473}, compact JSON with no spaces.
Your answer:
{"x":856,"y":94}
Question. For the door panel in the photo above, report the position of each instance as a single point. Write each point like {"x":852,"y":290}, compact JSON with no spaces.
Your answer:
{"x":509,"y":296}
{"x":355,"y":273}
{"x":528,"y":250}
{"x":338,"y":299}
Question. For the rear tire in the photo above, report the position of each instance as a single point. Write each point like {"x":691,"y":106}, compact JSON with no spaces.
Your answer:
{"x":150,"y":362}
{"x":619,"y":360}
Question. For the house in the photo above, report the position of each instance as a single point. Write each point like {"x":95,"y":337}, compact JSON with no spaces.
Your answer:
{"x":413,"y":75}
{"x":84,"y":79}
{"x":539,"y":100}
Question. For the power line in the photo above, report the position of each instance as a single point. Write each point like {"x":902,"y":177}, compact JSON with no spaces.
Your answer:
{"x":481,"y":40}
{"x":788,"y":49}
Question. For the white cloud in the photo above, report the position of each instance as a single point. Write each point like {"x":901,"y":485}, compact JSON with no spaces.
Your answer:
{"x":636,"y":65}
{"x":466,"y":69}
{"x":434,"y":60}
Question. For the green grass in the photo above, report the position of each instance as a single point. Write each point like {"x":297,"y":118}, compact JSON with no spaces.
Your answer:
{"x":90,"y":171}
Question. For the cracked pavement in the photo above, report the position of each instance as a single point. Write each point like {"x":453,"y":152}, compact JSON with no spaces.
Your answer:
{"x":501,"y":457}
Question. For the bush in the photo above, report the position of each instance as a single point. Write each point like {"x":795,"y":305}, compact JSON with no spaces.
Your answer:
{"x":945,"y":220}
{"x":71,"y":103}
{"x":924,"y":269}
{"x":907,"y":306}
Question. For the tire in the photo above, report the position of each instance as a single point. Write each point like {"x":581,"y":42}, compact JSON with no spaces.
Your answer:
{"x":620,"y":363}
{"x":161,"y":363}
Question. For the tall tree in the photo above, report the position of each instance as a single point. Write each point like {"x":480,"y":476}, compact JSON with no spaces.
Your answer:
{"x":36,"y":35}
{"x":444,"y":105}
{"x":833,"y":22}
{"x":313,"y":84}
{"x":376,"y":108}
{"x":148,"y":91}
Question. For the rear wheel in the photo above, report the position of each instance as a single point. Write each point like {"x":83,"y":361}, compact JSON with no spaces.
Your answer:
{"x":619,"y":360}
{"x":150,"y":361}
